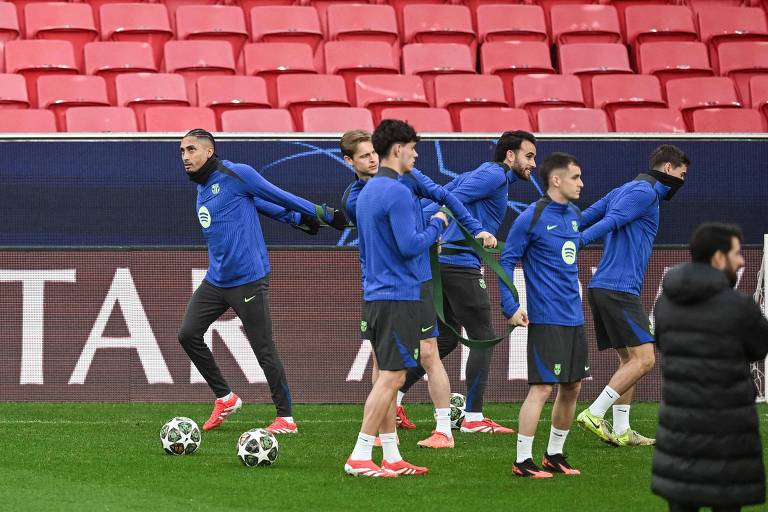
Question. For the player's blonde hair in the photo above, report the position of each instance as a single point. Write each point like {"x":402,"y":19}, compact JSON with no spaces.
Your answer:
{"x":350,"y":140}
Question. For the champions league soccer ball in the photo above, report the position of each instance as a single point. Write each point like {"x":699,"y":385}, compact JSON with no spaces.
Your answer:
{"x":458,"y":403}
{"x":180,"y":436}
{"x":257,"y":447}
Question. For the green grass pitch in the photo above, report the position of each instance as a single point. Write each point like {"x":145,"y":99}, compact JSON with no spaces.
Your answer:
{"x":107,"y":457}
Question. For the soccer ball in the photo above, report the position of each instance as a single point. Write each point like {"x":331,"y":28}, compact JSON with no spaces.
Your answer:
{"x":458,"y":403}
{"x":257,"y":447}
{"x":180,"y":436}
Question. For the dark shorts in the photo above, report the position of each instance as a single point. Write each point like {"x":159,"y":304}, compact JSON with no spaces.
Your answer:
{"x":557,"y":353}
{"x":427,"y":315}
{"x":466,"y":302}
{"x":393,"y":329}
{"x":620,"y":320}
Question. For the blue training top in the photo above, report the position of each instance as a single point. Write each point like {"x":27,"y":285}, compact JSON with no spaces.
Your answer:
{"x":390,"y":239}
{"x":628,"y":218}
{"x":484,"y":192}
{"x":545,"y":237}
{"x":227,"y":208}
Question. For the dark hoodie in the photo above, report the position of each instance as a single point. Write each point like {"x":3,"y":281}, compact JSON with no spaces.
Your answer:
{"x":708,"y":450}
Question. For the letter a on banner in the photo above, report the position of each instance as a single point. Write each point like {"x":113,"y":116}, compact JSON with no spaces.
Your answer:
{"x":122,"y":291}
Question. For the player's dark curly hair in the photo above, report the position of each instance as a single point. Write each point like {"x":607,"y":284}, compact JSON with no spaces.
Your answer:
{"x":203,"y":134}
{"x":511,"y":141}
{"x":391,"y":132}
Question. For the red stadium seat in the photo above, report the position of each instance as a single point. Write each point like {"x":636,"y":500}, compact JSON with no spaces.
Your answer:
{"x":274,"y":120}
{"x":179,"y":119}
{"x":437,"y":24}
{"x":573,"y":120}
{"x":719,"y":24}
{"x":585,"y":24}
{"x":457,"y":92}
{"x":587,"y":60}
{"x":173,"y":6}
{"x":430,"y":60}
{"x":144,"y":23}
{"x":422,"y":119}
{"x":58,"y":93}
{"x":614,"y":93}
{"x":537,"y":92}
{"x":362,"y":23}
{"x":493,"y":120}
{"x":689,"y":94}
{"x":270,"y":60}
{"x":728,"y":120}
{"x":101,"y":119}
{"x":758,"y":93}
{"x":212,"y":23}
{"x":351,"y":59}
{"x":143,"y":90}
{"x":659,"y":23}
{"x":286,"y":24}
{"x":674,"y":60}
{"x":649,"y":120}
{"x":193,"y":59}
{"x":247,"y":5}
{"x":32,"y":59}
{"x":27,"y":121}
{"x":508,"y":59}
{"x":376,"y":92}
{"x":298,"y":92}
{"x":111,"y":58}
{"x":224,"y":93}
{"x":13,"y":92}
{"x":743,"y":60}
{"x":399,"y":6}
{"x":9,"y":22}
{"x":511,"y":23}
{"x":71,"y":22}
{"x":336,"y":119}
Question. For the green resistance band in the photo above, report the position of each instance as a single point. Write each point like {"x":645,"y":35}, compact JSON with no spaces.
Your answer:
{"x":320,"y":213}
{"x":437,"y":281}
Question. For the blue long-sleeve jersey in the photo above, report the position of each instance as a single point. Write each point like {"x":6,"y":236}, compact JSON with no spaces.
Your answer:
{"x":628,"y":219}
{"x":422,"y":187}
{"x":277,"y":212}
{"x":228,"y":214}
{"x":545,"y":237}
{"x":484,"y":192}
{"x":390,"y":239}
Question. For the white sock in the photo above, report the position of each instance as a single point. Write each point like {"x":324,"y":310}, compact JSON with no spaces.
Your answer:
{"x":363,"y":448}
{"x":473,"y":416}
{"x":604,"y":401}
{"x":556,"y":441}
{"x":389,"y":446}
{"x":400,"y":396}
{"x":443,"y":417}
{"x":620,"y":418}
{"x":524,"y":448}
{"x":289,"y":419}
{"x":226,"y":397}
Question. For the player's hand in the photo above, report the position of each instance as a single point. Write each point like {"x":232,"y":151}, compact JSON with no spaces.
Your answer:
{"x":309,"y":224}
{"x":520,"y":318}
{"x":489,"y":241}
{"x":439,"y":244}
{"x":335,"y":218}
{"x":443,"y":217}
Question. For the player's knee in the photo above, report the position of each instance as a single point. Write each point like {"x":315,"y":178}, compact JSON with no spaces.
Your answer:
{"x":185,"y":336}
{"x":540,"y":392}
{"x":647,"y":361}
{"x":571,"y":389}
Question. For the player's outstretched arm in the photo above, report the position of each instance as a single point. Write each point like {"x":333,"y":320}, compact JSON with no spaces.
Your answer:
{"x":428,"y":189}
{"x":301,"y":221}
{"x":516,"y":245}
{"x":411,"y":242}
{"x":627,"y":208}
{"x":594,"y":213}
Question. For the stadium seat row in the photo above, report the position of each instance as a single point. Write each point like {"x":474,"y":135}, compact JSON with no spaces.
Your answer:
{"x":534,"y":96}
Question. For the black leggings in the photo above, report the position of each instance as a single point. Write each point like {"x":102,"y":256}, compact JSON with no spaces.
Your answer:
{"x":251,"y":303}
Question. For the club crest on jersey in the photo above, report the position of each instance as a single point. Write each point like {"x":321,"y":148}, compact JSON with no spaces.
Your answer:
{"x":215,"y":188}
{"x":481,"y":282}
{"x":569,"y":252}
{"x":363,"y":326}
{"x":416,"y":353}
{"x":575,"y":225}
{"x":557,"y":368}
{"x":204,"y":216}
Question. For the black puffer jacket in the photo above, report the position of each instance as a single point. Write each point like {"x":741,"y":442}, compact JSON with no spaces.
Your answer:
{"x":708,"y":443}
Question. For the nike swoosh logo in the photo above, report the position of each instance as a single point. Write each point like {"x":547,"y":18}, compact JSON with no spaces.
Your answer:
{"x":586,"y":368}
{"x":550,"y":228}
{"x":425,"y":329}
{"x":249,"y":299}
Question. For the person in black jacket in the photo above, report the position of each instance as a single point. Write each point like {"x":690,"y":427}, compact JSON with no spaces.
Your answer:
{"x":708,"y":451}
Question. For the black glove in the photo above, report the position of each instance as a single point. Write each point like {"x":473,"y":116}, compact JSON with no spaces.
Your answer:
{"x":309,"y":224}
{"x":338,"y":219}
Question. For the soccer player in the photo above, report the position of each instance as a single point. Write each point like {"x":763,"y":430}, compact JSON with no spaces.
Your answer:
{"x":545,"y":237}
{"x":484,"y":192}
{"x":359,"y":153}
{"x":229,"y":195}
{"x":628,"y":219}
{"x":390,"y":244}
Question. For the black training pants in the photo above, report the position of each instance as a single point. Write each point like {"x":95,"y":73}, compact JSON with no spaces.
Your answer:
{"x":251,"y":303}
